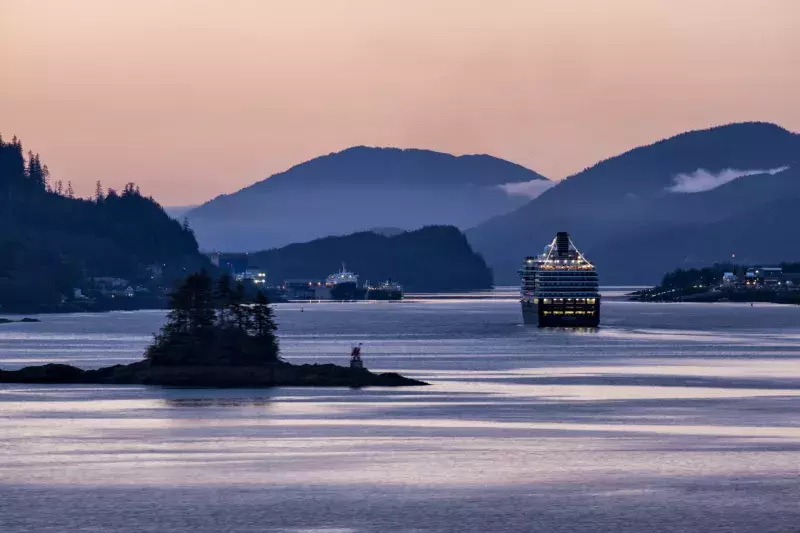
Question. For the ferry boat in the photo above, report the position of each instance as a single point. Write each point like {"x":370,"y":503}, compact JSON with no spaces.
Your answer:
{"x":388,"y":290}
{"x":343,"y":285}
{"x":560,"y":287}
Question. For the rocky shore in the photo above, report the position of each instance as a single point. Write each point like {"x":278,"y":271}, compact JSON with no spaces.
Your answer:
{"x":270,"y":375}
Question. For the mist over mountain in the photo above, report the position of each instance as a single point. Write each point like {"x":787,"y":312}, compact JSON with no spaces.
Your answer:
{"x":178,"y":212}
{"x":362,"y":188}
{"x":632,"y":214}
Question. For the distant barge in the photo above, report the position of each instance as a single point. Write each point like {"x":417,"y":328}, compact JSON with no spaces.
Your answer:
{"x":341,"y":286}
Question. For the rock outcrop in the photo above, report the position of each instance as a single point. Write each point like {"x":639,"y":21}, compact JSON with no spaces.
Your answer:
{"x":270,"y":375}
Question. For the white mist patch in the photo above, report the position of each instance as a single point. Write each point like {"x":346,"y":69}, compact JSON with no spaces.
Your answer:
{"x":702,"y":180}
{"x":529,"y":189}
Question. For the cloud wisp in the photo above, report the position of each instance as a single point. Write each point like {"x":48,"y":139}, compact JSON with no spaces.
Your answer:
{"x":702,"y":180}
{"x":529,"y":189}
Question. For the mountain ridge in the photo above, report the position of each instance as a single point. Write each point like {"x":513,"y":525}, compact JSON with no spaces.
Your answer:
{"x":432,"y":258}
{"x":626,"y":192}
{"x":357,"y":189}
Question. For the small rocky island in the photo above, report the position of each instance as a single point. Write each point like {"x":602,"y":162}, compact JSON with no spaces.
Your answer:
{"x":22,"y":321}
{"x":213,"y":337}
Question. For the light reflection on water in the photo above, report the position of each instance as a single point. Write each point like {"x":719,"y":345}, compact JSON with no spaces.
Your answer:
{"x":678,"y":417}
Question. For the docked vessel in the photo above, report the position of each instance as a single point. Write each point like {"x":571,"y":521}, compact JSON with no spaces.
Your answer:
{"x":560,"y":287}
{"x":388,"y":290}
{"x":343,"y":285}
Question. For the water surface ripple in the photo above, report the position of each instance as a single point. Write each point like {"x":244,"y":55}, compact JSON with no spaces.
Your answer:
{"x":670,"y":417}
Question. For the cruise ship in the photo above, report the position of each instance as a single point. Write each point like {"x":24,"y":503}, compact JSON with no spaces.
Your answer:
{"x":559,"y":287}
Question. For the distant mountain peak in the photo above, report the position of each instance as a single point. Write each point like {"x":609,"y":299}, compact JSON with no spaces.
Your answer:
{"x":363,"y":187}
{"x":382,"y":162}
{"x":724,"y":134}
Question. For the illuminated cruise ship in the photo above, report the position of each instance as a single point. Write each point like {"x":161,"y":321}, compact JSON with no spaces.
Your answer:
{"x":559,"y":287}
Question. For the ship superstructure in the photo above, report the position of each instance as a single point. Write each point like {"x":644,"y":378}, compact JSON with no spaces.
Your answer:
{"x":560,"y":287}
{"x":343,"y":276}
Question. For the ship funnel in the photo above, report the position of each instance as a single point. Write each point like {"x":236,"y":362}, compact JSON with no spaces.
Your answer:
{"x":562,"y":244}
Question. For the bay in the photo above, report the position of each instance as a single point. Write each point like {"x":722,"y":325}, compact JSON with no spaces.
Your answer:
{"x":670,"y":417}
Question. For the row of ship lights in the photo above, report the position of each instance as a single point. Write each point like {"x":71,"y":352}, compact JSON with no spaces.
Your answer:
{"x":551,"y":263}
{"x":562,"y":261}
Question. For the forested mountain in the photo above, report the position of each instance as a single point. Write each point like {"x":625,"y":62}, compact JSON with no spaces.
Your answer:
{"x":621,"y":210}
{"x":362,"y":188}
{"x":767,"y":234}
{"x":52,"y":242}
{"x":434,"y":258}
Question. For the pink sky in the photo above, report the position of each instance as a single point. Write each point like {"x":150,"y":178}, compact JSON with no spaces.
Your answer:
{"x":191,"y":99}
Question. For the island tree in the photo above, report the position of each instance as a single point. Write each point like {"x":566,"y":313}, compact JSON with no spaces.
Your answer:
{"x":215,"y":324}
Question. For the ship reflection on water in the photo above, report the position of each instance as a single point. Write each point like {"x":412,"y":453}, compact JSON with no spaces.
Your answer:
{"x":570,"y":330}
{"x":245,"y":401}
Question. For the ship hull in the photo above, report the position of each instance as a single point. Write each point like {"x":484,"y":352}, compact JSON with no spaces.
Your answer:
{"x":561,"y":315}
{"x":383,"y":294}
{"x":346,"y":292}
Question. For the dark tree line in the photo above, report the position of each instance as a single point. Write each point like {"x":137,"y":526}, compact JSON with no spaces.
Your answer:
{"x":214,"y":323}
{"x":688,"y":278}
{"x":52,"y":242}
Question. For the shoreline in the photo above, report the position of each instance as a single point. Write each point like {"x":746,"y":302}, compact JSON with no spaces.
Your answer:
{"x":771,"y":297}
{"x":164,"y":305}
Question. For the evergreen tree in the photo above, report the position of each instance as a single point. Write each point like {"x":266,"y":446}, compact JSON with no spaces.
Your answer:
{"x":238,"y":309}
{"x":59,"y":188}
{"x":262,"y":318}
{"x":15,"y":163}
{"x":35,"y":173}
{"x":99,"y":196}
{"x":180,"y":307}
{"x":70,"y":191}
{"x":264,"y":343}
{"x":222,"y":300}
{"x":197,"y":334}
{"x":174,"y":345}
{"x":201,"y":314}
{"x":31,"y":168}
{"x":46,"y":178}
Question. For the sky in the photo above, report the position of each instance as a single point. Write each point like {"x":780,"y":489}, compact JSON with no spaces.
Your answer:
{"x":195,"y":98}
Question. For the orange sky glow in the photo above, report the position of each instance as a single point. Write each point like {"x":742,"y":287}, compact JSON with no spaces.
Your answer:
{"x":191,"y":99}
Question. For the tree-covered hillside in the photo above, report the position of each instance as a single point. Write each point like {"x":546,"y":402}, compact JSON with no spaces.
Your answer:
{"x":696,"y":180}
{"x":362,"y":188}
{"x":52,"y":242}
{"x":434,"y":258}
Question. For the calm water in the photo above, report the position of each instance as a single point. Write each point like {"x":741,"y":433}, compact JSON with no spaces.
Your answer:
{"x":671,"y":417}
